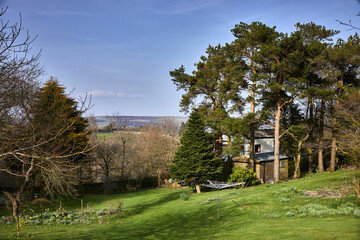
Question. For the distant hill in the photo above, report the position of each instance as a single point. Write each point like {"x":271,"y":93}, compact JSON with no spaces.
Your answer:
{"x":139,"y":121}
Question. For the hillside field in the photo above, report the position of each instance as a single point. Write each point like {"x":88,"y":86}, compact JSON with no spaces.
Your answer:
{"x":319,"y":206}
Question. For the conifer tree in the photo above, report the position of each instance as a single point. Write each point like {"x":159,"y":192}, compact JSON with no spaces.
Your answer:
{"x":59,"y":115}
{"x":213,"y":88}
{"x":195,"y":159}
{"x":61,"y":130}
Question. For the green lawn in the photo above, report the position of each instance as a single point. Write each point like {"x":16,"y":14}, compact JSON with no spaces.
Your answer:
{"x":261,"y":212}
{"x":103,"y":136}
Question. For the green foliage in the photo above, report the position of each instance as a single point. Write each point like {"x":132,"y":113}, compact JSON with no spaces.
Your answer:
{"x":334,"y":203}
{"x":57,"y":115}
{"x":242,"y":174}
{"x":195,"y":159}
{"x":213,"y":88}
{"x":60,"y":135}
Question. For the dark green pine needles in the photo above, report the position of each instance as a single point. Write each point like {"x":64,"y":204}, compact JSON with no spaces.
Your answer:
{"x":195,"y":159}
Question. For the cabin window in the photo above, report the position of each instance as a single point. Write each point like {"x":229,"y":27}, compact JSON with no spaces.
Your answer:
{"x":282,"y":164}
{"x":257,"y":148}
{"x":242,"y":150}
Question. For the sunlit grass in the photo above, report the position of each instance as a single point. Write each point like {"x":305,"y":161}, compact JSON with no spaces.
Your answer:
{"x":260,"y":212}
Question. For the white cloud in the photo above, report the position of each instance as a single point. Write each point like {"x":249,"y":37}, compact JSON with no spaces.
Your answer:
{"x":62,"y":13}
{"x":103,"y":93}
{"x":186,"y":8}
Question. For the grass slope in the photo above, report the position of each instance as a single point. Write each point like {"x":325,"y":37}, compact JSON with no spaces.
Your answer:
{"x":253,"y":213}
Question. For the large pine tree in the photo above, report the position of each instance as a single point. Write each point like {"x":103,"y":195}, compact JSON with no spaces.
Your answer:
{"x":195,"y":159}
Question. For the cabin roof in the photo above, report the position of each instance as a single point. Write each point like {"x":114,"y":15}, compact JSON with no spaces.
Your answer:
{"x":269,"y":156}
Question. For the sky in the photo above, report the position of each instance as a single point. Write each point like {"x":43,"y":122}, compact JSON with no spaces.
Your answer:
{"x":121,"y":51}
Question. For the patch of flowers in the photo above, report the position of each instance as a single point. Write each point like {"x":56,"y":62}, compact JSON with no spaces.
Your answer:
{"x":61,"y":216}
{"x":131,"y":188}
{"x":272,"y":215}
{"x":208,"y":201}
{"x":332,"y":209}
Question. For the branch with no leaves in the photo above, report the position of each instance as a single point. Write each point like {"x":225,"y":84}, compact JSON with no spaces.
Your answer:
{"x":352,"y":27}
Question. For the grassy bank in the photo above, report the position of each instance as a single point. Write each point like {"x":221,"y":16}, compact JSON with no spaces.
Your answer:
{"x":298,"y":209}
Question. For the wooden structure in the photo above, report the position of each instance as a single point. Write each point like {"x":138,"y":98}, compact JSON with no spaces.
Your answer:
{"x":264,"y":166}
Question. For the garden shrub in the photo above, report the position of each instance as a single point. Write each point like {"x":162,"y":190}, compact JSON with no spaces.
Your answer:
{"x":289,"y":214}
{"x":272,"y":215}
{"x":184,"y":196}
{"x":242,"y":174}
{"x":209,"y":200}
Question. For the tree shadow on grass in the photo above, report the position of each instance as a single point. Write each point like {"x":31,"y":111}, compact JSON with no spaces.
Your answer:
{"x":172,"y":225}
{"x":176,"y":223}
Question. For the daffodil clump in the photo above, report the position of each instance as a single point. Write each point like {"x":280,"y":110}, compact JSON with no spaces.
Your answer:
{"x":60,"y":216}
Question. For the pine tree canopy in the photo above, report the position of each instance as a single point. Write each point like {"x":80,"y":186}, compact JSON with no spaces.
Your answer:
{"x":195,"y":159}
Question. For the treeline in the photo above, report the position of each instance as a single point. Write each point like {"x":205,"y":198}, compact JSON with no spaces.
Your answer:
{"x":304,"y":84}
{"x":128,"y":156}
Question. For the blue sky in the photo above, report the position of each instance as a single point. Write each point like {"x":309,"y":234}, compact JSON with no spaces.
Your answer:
{"x":121,"y":51}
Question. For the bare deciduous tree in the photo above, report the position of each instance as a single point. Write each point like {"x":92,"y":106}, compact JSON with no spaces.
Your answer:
{"x":156,"y":150}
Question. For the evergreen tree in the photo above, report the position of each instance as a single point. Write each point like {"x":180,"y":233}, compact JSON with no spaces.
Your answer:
{"x":195,"y":159}
{"x":250,"y":39}
{"x":213,"y":88}
{"x":61,"y":130}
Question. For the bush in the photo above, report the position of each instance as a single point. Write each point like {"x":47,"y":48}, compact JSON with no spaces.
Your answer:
{"x":242,"y":174}
{"x":184,"y":196}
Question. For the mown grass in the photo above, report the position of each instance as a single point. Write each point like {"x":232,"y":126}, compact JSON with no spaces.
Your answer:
{"x":104,"y":136}
{"x":253,"y":213}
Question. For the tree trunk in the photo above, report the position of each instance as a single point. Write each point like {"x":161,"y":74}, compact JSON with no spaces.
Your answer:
{"x":333,"y":153}
{"x":159,"y":177}
{"x":298,"y":160}
{"x":15,"y":203}
{"x":252,"y":129}
{"x":321,"y":136}
{"x":310,"y":164}
{"x":277,"y":144}
{"x":218,"y":144}
{"x":252,"y":148}
{"x":311,"y":124}
{"x":197,"y":186}
{"x":333,"y":132}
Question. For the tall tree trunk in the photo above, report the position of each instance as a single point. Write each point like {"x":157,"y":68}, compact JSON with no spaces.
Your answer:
{"x":252,"y":148}
{"x":159,"y":177}
{"x":310,"y":159}
{"x":218,"y":144}
{"x":252,"y":129}
{"x":333,"y":153}
{"x":321,"y":136}
{"x":277,"y":144}
{"x":333,"y":140}
{"x":333,"y":132}
{"x":311,"y":122}
{"x":297,"y":160}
